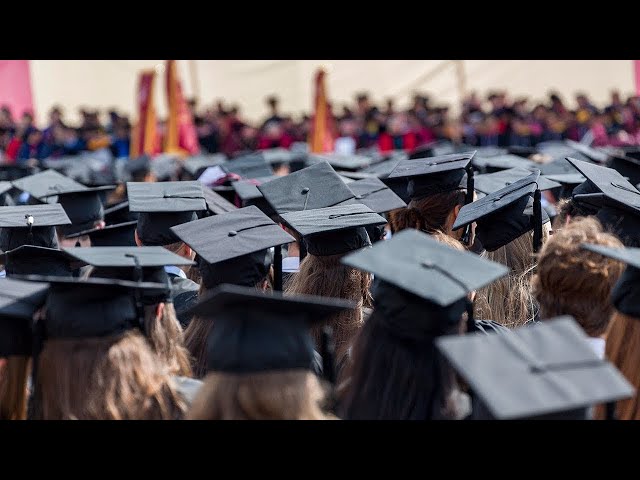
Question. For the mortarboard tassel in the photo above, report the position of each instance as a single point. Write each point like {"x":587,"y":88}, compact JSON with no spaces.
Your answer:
{"x":38,"y":342}
{"x":277,"y":268}
{"x":537,"y":219}
{"x":327,"y":352}
{"x":466,"y":237}
{"x":30,"y":225}
{"x":610,"y":411}
{"x":138,"y":293}
{"x":471,"y":322}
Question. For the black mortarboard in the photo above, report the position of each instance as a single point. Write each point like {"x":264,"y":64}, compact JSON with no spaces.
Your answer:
{"x":427,"y":176}
{"x":599,"y":179}
{"x":249,"y":166}
{"x":138,"y":168}
{"x":163,"y":205}
{"x":33,"y":260}
{"x":248,"y":193}
{"x":503,"y":216}
{"x":133,"y":263}
{"x":503,"y":162}
{"x":91,"y":307}
{"x":317,"y":186}
{"x":84,"y":208}
{"x":119,"y":213}
{"x":258,"y":332}
{"x":341,"y":162}
{"x":334,"y":230}
{"x":626,"y":292}
{"x":586,"y":150}
{"x":43,"y":185}
{"x":521,"y":151}
{"x":277,"y":156}
{"x":118,"y":235}
{"x":569,"y":181}
{"x":547,"y":370}
{"x":416,"y":274}
{"x":492,"y":182}
{"x":194,"y":166}
{"x":216,"y":203}
{"x":373,"y":193}
{"x":627,"y":167}
{"x":165,"y":168}
{"x":18,"y":302}
{"x":13,"y":172}
{"x":31,"y":225}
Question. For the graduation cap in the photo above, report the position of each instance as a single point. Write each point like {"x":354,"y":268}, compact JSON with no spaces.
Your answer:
{"x":341,"y":162}
{"x":627,"y":166}
{"x":568,"y":181}
{"x":492,"y":182}
{"x":118,"y":235}
{"x":258,"y":332}
{"x":194,"y":166}
{"x":503,"y":216}
{"x":138,"y":168}
{"x":216,"y":203}
{"x":31,"y":225}
{"x":163,"y":205}
{"x":13,"y":172}
{"x":521,"y":151}
{"x":248,"y":193}
{"x":589,"y":152}
{"x":504,"y":162}
{"x":277,"y":156}
{"x":625,"y":295}
{"x":91,"y":307}
{"x":83,"y":206}
{"x":119,"y":213}
{"x":317,"y":186}
{"x":34,"y":260}
{"x":233,"y":246}
{"x":373,"y":193}
{"x":334,"y":230}
{"x":144,"y":264}
{"x":249,"y":166}
{"x":19,"y":301}
{"x":416,"y":274}
{"x":44,"y":185}
{"x":547,"y":370}
{"x":165,"y":168}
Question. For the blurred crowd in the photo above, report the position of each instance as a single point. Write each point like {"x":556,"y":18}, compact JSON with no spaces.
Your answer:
{"x":495,"y":120}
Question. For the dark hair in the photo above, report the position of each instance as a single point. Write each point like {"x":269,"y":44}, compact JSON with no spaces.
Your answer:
{"x":428,"y":214}
{"x":393,"y":378}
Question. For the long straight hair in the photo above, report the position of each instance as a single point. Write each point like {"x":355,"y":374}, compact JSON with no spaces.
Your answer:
{"x":13,"y":388}
{"x":167,"y":339}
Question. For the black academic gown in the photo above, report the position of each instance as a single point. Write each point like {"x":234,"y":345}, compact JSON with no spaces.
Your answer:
{"x":184,"y":295}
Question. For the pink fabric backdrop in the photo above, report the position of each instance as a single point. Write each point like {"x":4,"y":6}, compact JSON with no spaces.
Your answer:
{"x":15,"y":86}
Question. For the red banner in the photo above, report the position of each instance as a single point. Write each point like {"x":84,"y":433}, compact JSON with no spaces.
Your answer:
{"x":181,"y":134}
{"x":15,"y":87}
{"x":144,"y":135}
{"x":321,"y":136}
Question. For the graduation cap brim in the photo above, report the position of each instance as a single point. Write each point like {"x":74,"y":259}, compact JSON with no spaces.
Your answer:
{"x":415,"y":262}
{"x":504,"y":162}
{"x":492,"y":182}
{"x":373,"y":193}
{"x":216,"y":203}
{"x":609,"y":182}
{"x":592,"y":153}
{"x":628,"y":255}
{"x":431,"y":165}
{"x":332,"y":219}
{"x":96,"y":282}
{"x":80,"y":191}
{"x":567,"y":178}
{"x":123,"y":257}
{"x":44,"y":215}
{"x":546,"y":368}
{"x":226,"y":296}
{"x":233,"y":234}
{"x":44,"y":184}
{"x":165,"y":197}
{"x":248,"y":167}
{"x":111,"y":235}
{"x":342,"y":162}
{"x":20,"y":299}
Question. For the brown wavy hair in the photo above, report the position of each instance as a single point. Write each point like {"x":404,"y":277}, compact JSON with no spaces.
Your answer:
{"x":109,"y":378}
{"x":509,"y":300}
{"x":276,"y":395}
{"x":13,"y":387}
{"x":623,"y":350}
{"x":573,"y":281}
{"x":167,"y":339}
{"x":325,"y":276}
{"x":429,"y":214}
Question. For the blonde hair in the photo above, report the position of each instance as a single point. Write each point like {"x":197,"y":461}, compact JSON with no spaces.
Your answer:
{"x":108,"y":378}
{"x":509,"y":300}
{"x":276,"y":395}
{"x":167,"y":339}
{"x":574,"y":281}
{"x":325,"y":276}
{"x":13,"y":387}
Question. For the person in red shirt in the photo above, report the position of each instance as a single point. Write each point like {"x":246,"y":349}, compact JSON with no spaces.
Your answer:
{"x":397,"y":136}
{"x":274,"y":136}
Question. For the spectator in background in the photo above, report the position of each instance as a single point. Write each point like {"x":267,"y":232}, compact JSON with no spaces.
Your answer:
{"x":274,"y":114}
{"x":20,"y":136}
{"x":6,"y":120}
{"x":55,"y":120}
{"x":556,"y":104}
{"x":120,"y":139}
{"x":208,"y":132}
{"x":398,"y":135}
{"x":348,"y":136}
{"x":274,"y":136}
{"x":73,"y":143}
{"x":423,"y":134}
{"x":248,"y":138}
{"x":33,"y":147}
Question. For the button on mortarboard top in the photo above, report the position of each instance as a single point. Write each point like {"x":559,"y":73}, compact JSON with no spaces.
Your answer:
{"x":547,"y":370}
{"x":233,"y":233}
{"x":317,"y":186}
{"x":259,"y":332}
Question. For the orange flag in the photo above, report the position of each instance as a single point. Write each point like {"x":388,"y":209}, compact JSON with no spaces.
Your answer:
{"x":144,"y":134}
{"x":181,"y":136}
{"x":321,"y":136}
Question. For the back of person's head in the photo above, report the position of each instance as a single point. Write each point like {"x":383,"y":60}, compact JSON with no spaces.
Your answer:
{"x":272,"y":395}
{"x":432,"y":213}
{"x":573,"y":281}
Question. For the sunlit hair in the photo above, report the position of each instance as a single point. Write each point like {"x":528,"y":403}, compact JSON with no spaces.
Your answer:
{"x":509,"y":300}
{"x":276,"y":395}
{"x":623,"y":350}
{"x":429,"y":214}
{"x":13,"y":387}
{"x":167,"y":339}
{"x":110,"y":378}
{"x":325,"y":276}
{"x":573,"y":281}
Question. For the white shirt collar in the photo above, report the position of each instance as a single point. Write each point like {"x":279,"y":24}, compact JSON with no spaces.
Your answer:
{"x":598,"y":345}
{"x":175,"y":271}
